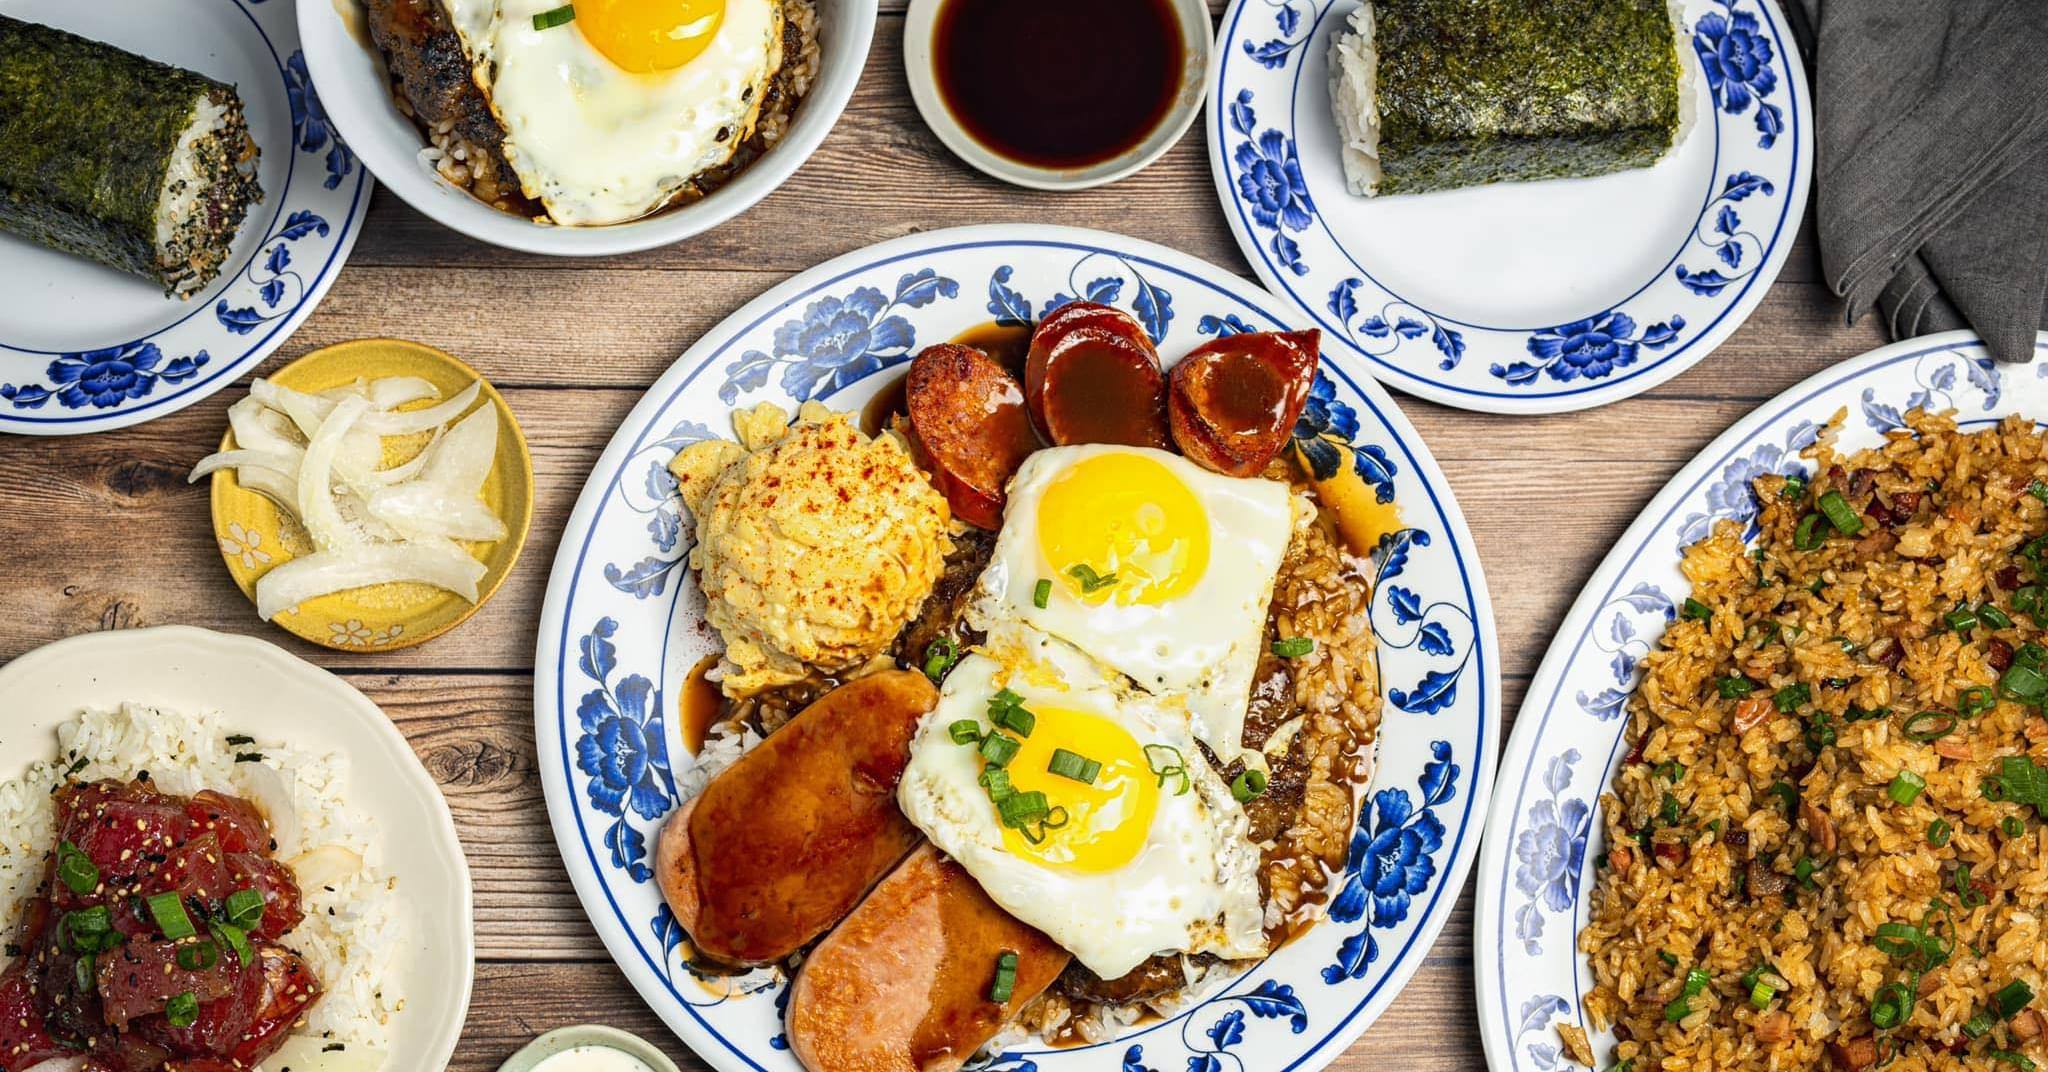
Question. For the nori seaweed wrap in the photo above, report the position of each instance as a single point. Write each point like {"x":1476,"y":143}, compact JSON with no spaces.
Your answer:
{"x":136,"y":164}
{"x":1437,"y":94}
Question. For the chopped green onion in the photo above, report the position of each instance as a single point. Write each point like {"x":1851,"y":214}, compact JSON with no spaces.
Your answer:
{"x":2013,"y":826}
{"x":1803,"y":871}
{"x":1681,"y":1006}
{"x":2012,"y":997}
{"x":2038,"y":490}
{"x":1041,"y":593}
{"x":198,"y":956}
{"x":245,"y":909}
{"x":1791,"y":697}
{"x":1808,"y":536}
{"x":1670,"y":812}
{"x":84,"y":974}
{"x":1167,"y":762}
{"x":1898,"y":940}
{"x":1906,"y":787}
{"x":2023,"y":683}
{"x":1006,"y":978}
{"x":1697,"y":611}
{"x":1006,"y":709}
{"x":1786,"y":794}
{"x":1294,"y":647}
{"x":1090,"y":581}
{"x":1938,"y":832}
{"x":77,"y":869}
{"x":1975,"y":700}
{"x":1840,"y":514}
{"x":1966,"y":893}
{"x":229,"y":935}
{"x":1795,"y":488}
{"x":965,"y":731}
{"x":1734,"y":688}
{"x":939,"y":657}
{"x":1074,"y":766}
{"x":1821,"y":734}
{"x":1760,"y":995}
{"x":1990,"y":615}
{"x":1929,"y":726}
{"x":999,"y":749}
{"x":171,"y":918}
{"x":1248,"y":785}
{"x":1765,"y":632}
{"x":1022,"y":809}
{"x":997,"y":781}
{"x":1978,"y":1026}
{"x":1891,"y":1006}
{"x":2017,"y":1060}
{"x":2027,"y":599}
{"x":182,"y":1010}
{"x":1671,"y":770}
{"x":548,"y":20}
{"x":1669,"y":958}
{"x":1961,"y":620}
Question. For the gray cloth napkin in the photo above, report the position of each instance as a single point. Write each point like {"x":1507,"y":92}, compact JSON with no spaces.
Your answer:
{"x":1932,"y":119}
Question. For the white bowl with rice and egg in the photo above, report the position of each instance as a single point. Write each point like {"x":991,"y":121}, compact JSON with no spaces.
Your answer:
{"x":667,"y":133}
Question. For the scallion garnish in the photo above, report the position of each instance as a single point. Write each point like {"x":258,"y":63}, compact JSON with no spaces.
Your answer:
{"x":1790,"y":698}
{"x":1961,"y":620}
{"x":171,"y":918}
{"x":245,"y":909}
{"x":1793,"y":489}
{"x":548,"y":20}
{"x":1929,"y":726}
{"x":1990,"y":615}
{"x":84,"y":974}
{"x":2012,"y":997}
{"x":198,"y":956}
{"x":1840,"y":514}
{"x":1089,"y":580}
{"x":2023,"y":683}
{"x":998,"y":749}
{"x":1073,"y":765}
{"x":939,"y":657}
{"x":1167,"y":762}
{"x":1735,"y":688}
{"x":1006,"y":978}
{"x":1975,"y":700}
{"x":1019,"y":810}
{"x":1249,"y":785}
{"x":1681,"y":1006}
{"x":1905,"y":787}
{"x":229,"y":935}
{"x":964,"y":731}
{"x":182,"y":1010}
{"x":1006,"y":709}
{"x":1938,"y":832}
{"x":77,"y":870}
{"x":1696,"y":610}
{"x":1294,"y":647}
{"x":1808,"y":536}
{"x":1041,"y":593}
{"x":2013,"y":826}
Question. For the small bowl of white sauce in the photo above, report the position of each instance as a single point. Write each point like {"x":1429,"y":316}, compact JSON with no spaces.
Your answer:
{"x":588,"y":1048}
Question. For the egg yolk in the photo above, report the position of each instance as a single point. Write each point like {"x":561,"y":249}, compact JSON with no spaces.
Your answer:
{"x":646,"y":36}
{"x":1107,"y":820}
{"x":1123,"y":527}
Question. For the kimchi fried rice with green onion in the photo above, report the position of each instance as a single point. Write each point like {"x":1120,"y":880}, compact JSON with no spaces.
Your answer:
{"x":1825,"y":849}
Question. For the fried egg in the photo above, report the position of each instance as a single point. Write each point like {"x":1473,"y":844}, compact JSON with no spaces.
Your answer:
{"x":1156,"y":567}
{"x":1151,"y":856}
{"x":609,"y":114}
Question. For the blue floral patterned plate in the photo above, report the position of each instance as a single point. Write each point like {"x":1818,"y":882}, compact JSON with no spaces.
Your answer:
{"x":1517,"y":297}
{"x":1545,"y":830}
{"x":84,"y":348}
{"x":622,"y":627}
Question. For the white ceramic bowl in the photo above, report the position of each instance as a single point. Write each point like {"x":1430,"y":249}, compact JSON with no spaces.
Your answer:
{"x":350,"y":76}
{"x":1198,"y":32}
{"x":254,"y":684}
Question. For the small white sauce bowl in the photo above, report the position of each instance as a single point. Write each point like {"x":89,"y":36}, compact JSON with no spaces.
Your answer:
{"x":596,"y":1035}
{"x":349,"y":75}
{"x":1198,"y":34}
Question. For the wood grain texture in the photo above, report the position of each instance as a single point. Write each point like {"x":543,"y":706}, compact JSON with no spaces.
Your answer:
{"x":574,"y":343}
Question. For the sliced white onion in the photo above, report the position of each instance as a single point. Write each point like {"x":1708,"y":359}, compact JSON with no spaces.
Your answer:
{"x":306,"y":411}
{"x":310,"y":576}
{"x":422,"y":508}
{"x":256,"y":427}
{"x":254,"y":459}
{"x":272,"y":795}
{"x":462,"y":460}
{"x":327,"y":865}
{"x":406,"y":422}
{"x":276,"y":486}
{"x":392,"y":392}
{"x":317,"y":509}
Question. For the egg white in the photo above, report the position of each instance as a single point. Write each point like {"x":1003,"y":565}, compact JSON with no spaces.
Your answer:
{"x":595,"y":143}
{"x":1193,"y":887}
{"x":1202,"y":646}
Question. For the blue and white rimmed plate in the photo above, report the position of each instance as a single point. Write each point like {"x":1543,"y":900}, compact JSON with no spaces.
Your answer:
{"x":1517,"y":297}
{"x":622,"y":627}
{"x":84,"y":348}
{"x":1545,"y":830}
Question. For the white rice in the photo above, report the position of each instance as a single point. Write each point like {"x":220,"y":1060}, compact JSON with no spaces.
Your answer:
{"x":351,"y":932}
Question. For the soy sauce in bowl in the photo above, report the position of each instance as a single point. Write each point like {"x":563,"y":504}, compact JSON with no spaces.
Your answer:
{"x":1059,"y":83}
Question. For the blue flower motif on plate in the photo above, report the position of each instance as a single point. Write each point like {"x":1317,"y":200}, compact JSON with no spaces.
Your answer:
{"x":1270,"y":183}
{"x":1552,"y":851}
{"x":1391,"y":860}
{"x":1936,"y":376}
{"x":278,"y":287}
{"x":1537,"y":1013}
{"x":1326,"y":428}
{"x":1733,"y":496}
{"x":310,"y":124}
{"x":1394,"y":324}
{"x":1591,"y":348}
{"x":839,"y":339}
{"x":103,"y":379}
{"x":623,"y":749}
{"x":1736,"y":56}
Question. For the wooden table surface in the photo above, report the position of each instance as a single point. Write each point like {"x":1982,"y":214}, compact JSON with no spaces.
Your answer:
{"x":106,"y":534}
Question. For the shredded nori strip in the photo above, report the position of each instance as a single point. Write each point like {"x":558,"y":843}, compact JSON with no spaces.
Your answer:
{"x":1479,"y":91}
{"x":87,"y":134}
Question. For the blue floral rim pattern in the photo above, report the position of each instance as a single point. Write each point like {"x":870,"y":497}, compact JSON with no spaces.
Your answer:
{"x":1545,"y":832}
{"x":611,"y":772}
{"x":311,"y":230}
{"x":1759,"y":124}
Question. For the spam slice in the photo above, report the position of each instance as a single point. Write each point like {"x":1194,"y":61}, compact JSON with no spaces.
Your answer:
{"x":782,"y":844}
{"x":903,"y":985}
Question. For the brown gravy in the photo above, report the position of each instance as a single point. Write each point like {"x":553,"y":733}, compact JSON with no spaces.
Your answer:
{"x":1059,"y":83}
{"x":700,"y":705}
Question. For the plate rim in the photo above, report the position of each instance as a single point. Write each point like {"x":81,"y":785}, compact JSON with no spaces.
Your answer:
{"x":563,"y":815}
{"x":229,"y":371}
{"x":152,"y":642}
{"x":1496,"y":854}
{"x":1728,"y":319}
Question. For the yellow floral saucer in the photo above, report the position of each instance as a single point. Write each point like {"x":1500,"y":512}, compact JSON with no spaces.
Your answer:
{"x":254,"y":536}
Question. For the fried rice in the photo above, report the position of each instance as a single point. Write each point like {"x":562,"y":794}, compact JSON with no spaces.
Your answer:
{"x":1825,"y":848}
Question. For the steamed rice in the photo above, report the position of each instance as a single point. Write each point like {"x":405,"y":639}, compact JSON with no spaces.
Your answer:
{"x":351,"y":932}
{"x":1770,"y":858}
